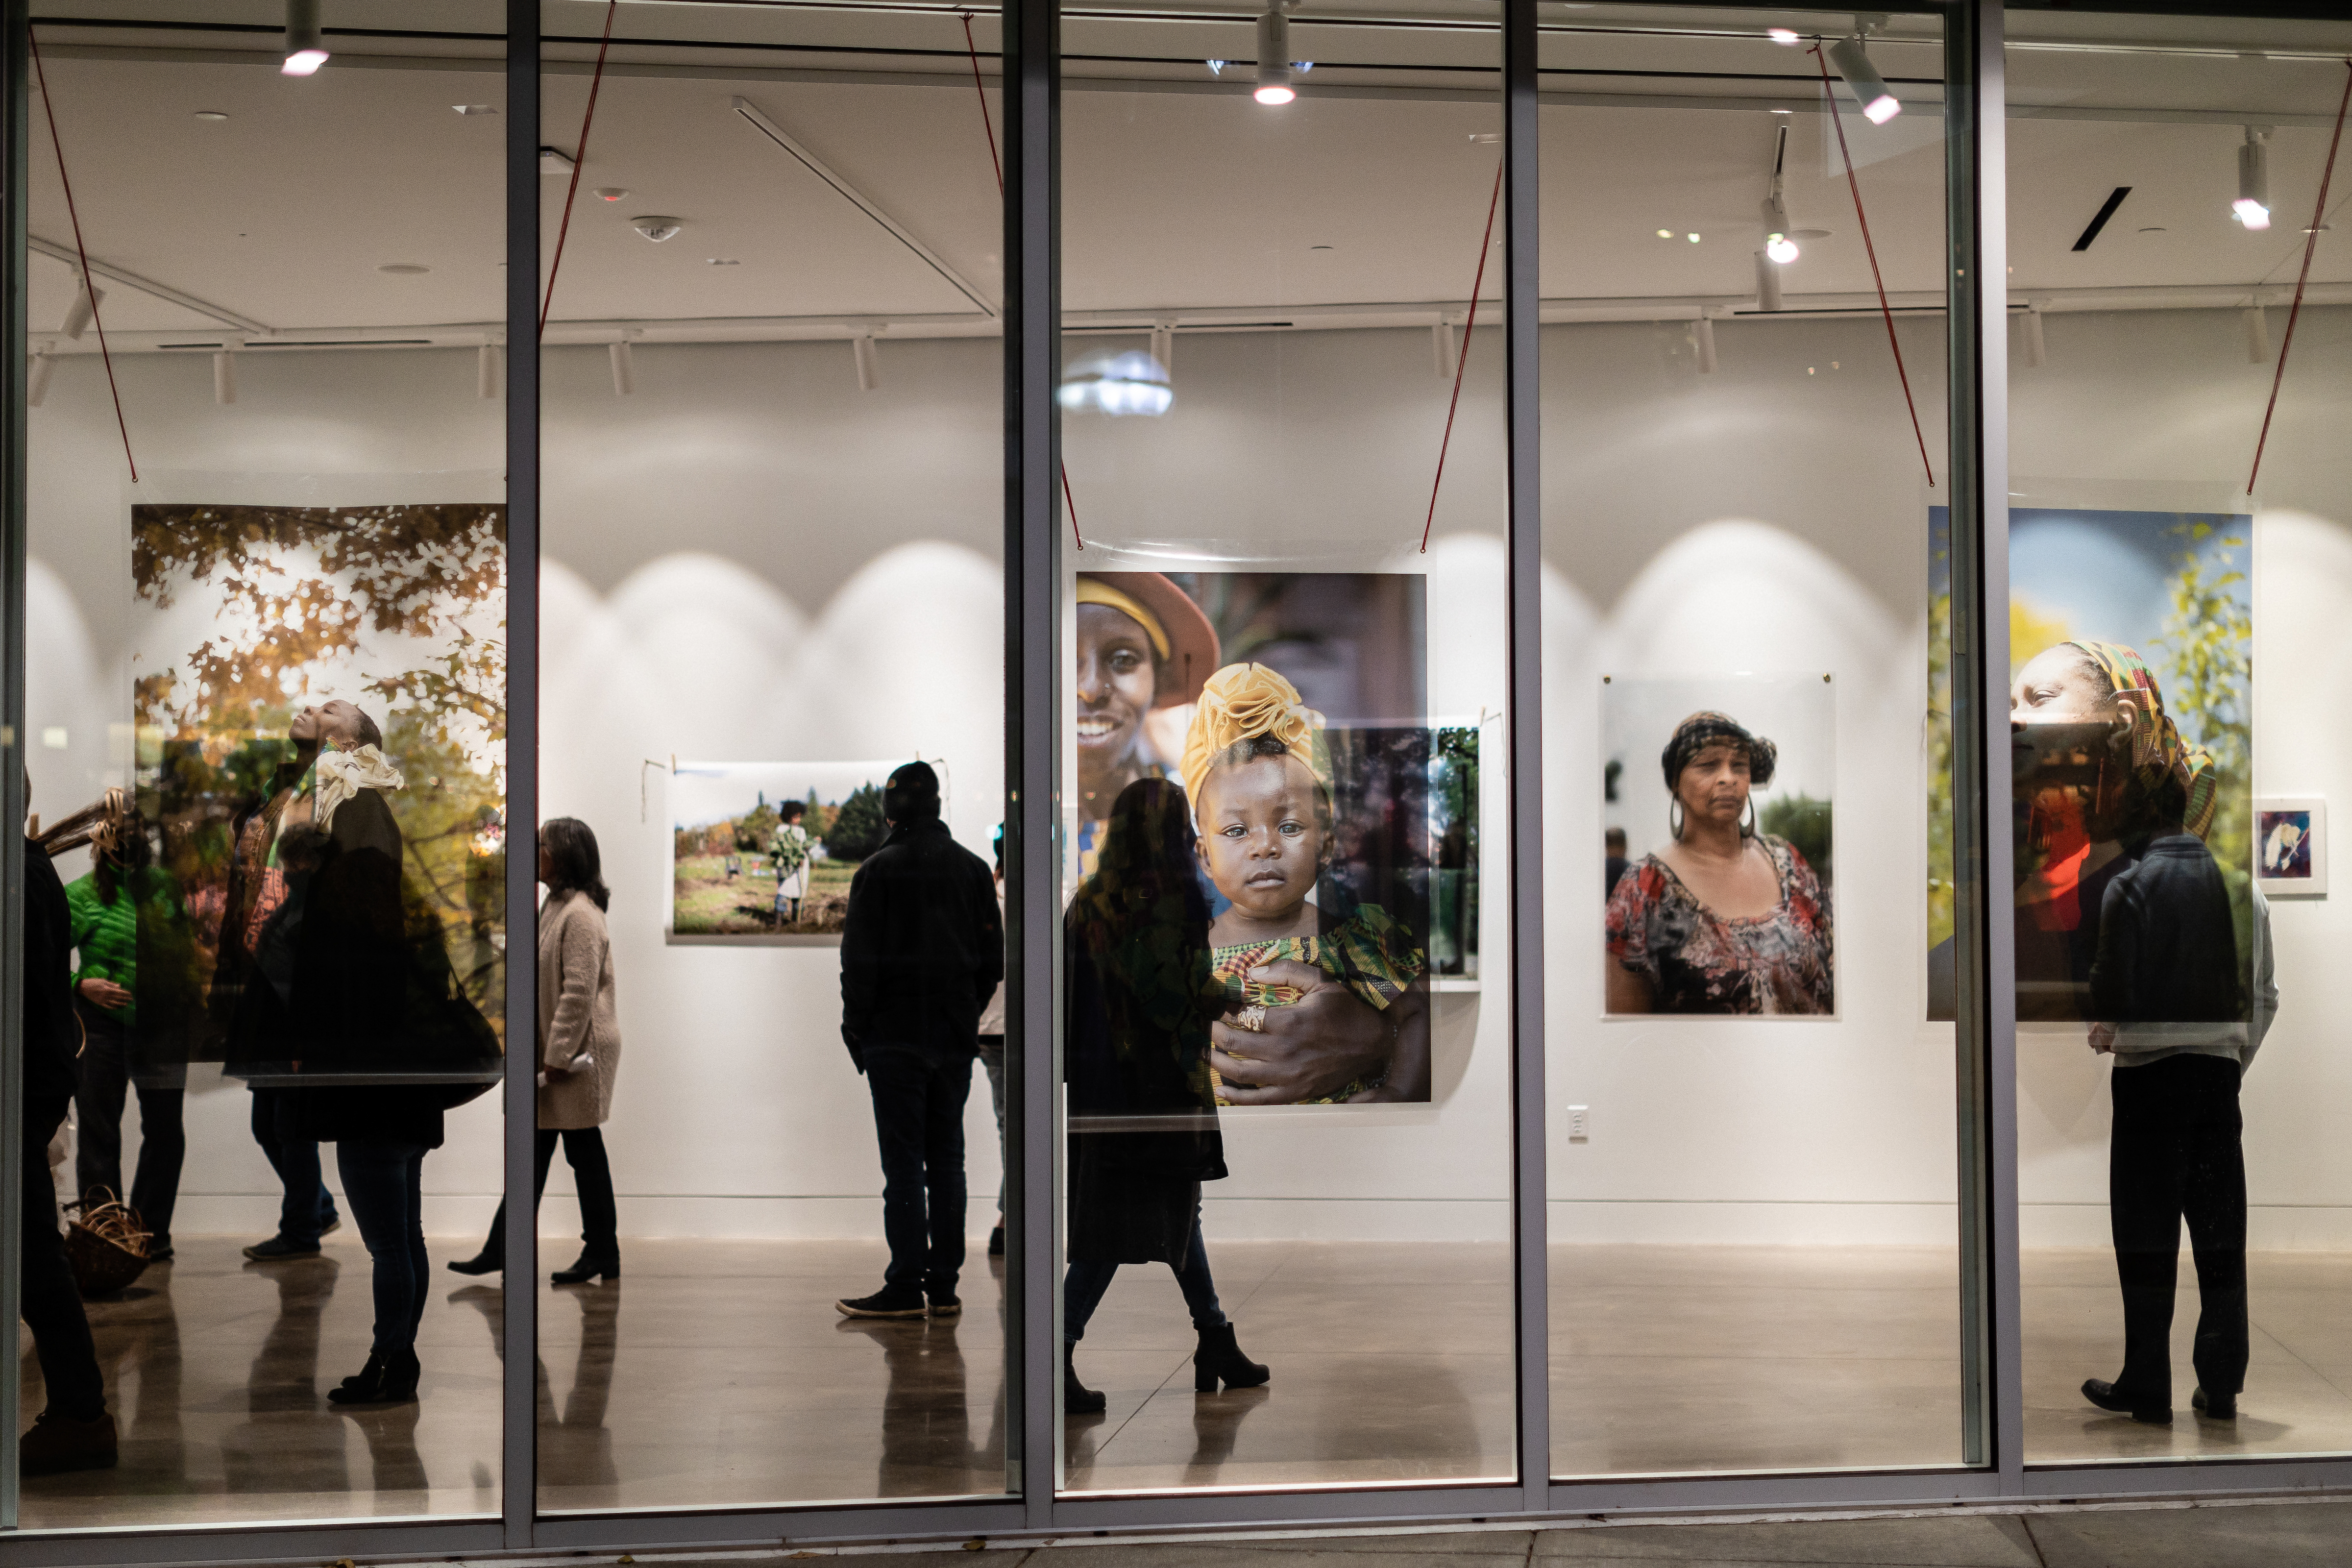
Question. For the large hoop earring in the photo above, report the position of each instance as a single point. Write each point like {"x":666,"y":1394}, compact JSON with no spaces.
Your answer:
{"x":1747,"y":828}
{"x":1674,"y":818}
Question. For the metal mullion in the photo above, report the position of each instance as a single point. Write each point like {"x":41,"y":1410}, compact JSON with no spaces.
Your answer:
{"x":1985,"y":1030}
{"x":519,"y":1494}
{"x":12,"y":524}
{"x":1032,"y":669}
{"x":1523,"y":720}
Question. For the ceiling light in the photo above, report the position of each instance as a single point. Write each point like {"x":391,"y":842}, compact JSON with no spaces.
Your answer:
{"x":2253,"y":207}
{"x":724,"y":261}
{"x":1878,"y":102}
{"x":210,"y":114}
{"x":556,"y":161}
{"x":1216,"y":67}
{"x":1784,"y":35}
{"x":1781,"y":248}
{"x":1274,"y":56}
{"x":1486,"y":138}
{"x":1768,"y":283}
{"x":610,"y":193}
{"x":79,"y":314}
{"x":1118,"y":385}
{"x":306,"y":45}
{"x":1665,"y":234}
{"x":473,"y":108}
{"x":404,"y":268}
{"x":656,"y":228}
{"x":1691,"y":238}
{"x":1778,"y":245}
{"x":37,"y":385}
{"x":624,"y":370}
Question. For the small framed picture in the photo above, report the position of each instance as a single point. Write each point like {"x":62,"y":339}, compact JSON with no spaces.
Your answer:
{"x":2291,"y":846}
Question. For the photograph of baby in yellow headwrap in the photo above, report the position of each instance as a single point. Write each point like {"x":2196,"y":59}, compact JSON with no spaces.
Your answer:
{"x":1257,"y":772}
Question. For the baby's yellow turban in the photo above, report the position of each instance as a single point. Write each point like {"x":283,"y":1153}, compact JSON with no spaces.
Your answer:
{"x":1244,"y":700}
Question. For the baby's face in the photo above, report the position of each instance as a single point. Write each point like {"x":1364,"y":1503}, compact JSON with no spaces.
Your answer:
{"x":1260,"y":837}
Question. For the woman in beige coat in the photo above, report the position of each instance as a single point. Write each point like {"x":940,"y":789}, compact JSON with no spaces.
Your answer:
{"x":579,"y":1050}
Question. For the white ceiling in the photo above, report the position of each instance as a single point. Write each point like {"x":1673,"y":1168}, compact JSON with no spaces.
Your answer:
{"x":1180,"y":193}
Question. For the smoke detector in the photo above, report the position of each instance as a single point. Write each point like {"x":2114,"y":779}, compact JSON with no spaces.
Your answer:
{"x":656,"y":228}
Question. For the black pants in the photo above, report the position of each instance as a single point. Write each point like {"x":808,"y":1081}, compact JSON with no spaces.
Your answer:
{"x":307,"y":1207}
{"x":918,"y":1122}
{"x":106,"y":1081}
{"x":47,"y":1296}
{"x":2174,"y":1155}
{"x":592,"y":1172}
{"x":383,"y":1180}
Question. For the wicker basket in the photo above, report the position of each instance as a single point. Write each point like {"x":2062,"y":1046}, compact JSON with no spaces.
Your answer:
{"x":106,"y":1245}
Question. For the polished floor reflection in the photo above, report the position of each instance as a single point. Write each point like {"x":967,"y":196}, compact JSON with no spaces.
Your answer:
{"x":218,"y":1371}
{"x":717,"y":1373}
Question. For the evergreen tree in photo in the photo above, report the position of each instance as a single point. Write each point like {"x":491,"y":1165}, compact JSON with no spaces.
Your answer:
{"x":857,"y":827}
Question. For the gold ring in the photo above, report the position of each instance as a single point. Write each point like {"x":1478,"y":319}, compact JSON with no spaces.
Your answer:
{"x":1252,"y":1018}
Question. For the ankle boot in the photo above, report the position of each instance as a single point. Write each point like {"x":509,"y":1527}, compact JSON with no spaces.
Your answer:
{"x":590,"y":1267}
{"x":1219,"y":1357}
{"x":491,"y":1259}
{"x":1077,"y":1399}
{"x":383,"y":1381}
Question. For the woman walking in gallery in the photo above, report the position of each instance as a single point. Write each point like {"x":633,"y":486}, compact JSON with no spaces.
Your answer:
{"x":1143,"y":1104}
{"x":1725,"y":919}
{"x":579,"y":1050}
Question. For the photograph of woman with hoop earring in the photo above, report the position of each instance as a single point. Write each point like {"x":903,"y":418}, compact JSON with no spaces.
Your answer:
{"x":1725,"y":919}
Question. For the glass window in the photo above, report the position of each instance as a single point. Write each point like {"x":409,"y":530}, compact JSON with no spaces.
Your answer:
{"x":1750,"y":1083}
{"x":2176,"y":369}
{"x":774,"y":456}
{"x":266,"y":644}
{"x":1286,"y":1064}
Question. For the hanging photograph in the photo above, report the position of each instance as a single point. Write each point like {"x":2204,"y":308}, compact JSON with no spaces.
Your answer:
{"x":1718,"y":844}
{"x":1337,"y":825}
{"x":2131,"y":659}
{"x":320,"y":696}
{"x":2291,"y":846}
{"x":763,"y":851}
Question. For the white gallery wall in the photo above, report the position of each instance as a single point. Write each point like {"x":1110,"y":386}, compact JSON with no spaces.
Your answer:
{"x":750,"y":559}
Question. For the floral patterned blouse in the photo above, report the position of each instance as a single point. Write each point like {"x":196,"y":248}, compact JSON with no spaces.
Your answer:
{"x":1700,"y":962}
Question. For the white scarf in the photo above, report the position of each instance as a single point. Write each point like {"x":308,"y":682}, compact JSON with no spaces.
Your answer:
{"x":342,"y":775}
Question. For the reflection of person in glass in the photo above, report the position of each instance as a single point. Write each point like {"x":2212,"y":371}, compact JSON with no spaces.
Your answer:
{"x":1259,"y":778}
{"x":1725,"y":919}
{"x":2120,"y":805}
{"x":1141,"y":1095}
{"x":1144,"y":648}
{"x":124,"y":891}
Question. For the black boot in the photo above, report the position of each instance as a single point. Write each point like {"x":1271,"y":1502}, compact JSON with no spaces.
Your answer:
{"x":491,"y":1259}
{"x":590,"y":1267}
{"x":1077,"y":1399}
{"x":1220,"y":1357}
{"x":386,"y":1380}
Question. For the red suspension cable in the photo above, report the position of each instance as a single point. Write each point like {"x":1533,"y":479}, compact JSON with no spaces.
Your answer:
{"x":1854,"y":185}
{"x":1462,"y":359}
{"x":2310,"y":244}
{"x":579,"y":162}
{"x":89,"y":291}
{"x":997,"y":163}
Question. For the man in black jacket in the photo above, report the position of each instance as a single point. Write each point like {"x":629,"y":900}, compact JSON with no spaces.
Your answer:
{"x":922,"y":948}
{"x":74,"y":1433}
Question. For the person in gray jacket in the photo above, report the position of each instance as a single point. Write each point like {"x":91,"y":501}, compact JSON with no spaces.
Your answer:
{"x":579,"y":1050}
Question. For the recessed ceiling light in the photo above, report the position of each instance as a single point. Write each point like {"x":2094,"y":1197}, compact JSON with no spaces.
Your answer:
{"x":611,"y":193}
{"x":1691,"y":238}
{"x":1665,"y":234}
{"x":210,"y":114}
{"x":473,"y":108}
{"x":403,"y":269}
{"x":724,"y":261}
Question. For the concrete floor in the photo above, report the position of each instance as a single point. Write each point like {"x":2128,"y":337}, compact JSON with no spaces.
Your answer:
{"x":716,"y":1373}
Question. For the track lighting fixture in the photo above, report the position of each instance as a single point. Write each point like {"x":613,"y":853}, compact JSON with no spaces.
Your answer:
{"x":1703,"y":339}
{"x":37,"y":384}
{"x":2258,"y":335}
{"x":1443,"y":346}
{"x":225,"y":376}
{"x":85,"y":301}
{"x":485,"y":371}
{"x":2037,"y":348}
{"x":1274,"y":56}
{"x":306,"y":44}
{"x":1163,"y":346}
{"x":625,"y":371}
{"x":870,"y":361}
{"x":1778,"y":245}
{"x":2253,"y":207}
{"x":1878,"y":102}
{"x":1768,"y":283}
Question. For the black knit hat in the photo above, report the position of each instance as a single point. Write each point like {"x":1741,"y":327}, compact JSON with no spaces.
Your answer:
{"x":1706,"y":728}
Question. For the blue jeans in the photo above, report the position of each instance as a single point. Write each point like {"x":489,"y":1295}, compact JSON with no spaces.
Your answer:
{"x":918,"y":1122}
{"x":991,"y":1059}
{"x":1083,"y":1288}
{"x":308,"y":1207}
{"x":384,"y":1182}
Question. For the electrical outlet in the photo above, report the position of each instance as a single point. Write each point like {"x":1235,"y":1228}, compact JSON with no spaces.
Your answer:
{"x":1580,"y":1124}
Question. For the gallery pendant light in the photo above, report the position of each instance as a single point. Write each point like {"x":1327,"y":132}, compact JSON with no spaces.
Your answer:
{"x":2253,"y":207}
{"x":1878,"y":102}
{"x":306,"y":43}
{"x":1274,"y":56}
